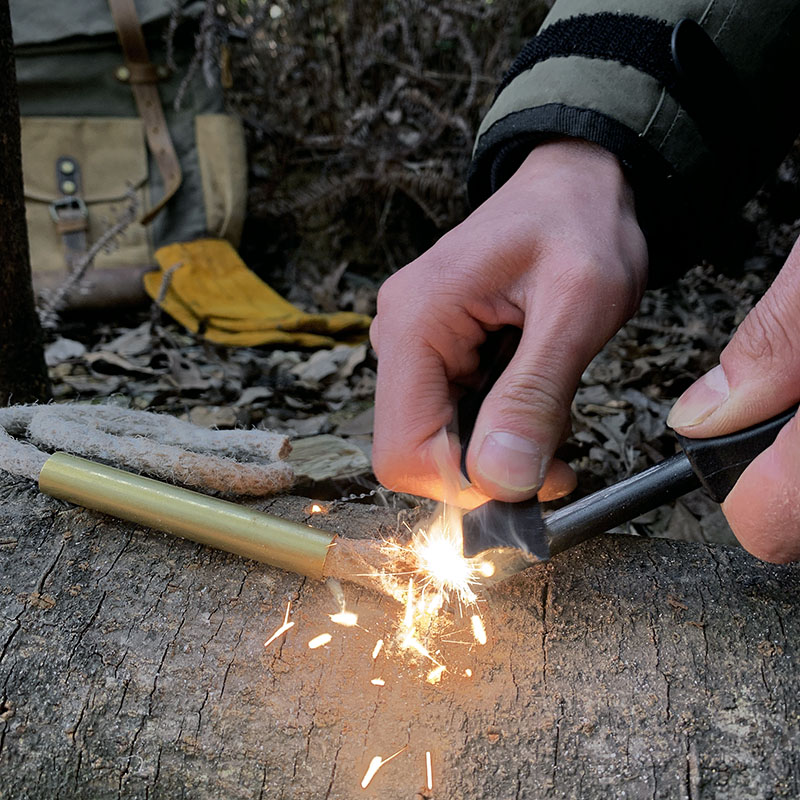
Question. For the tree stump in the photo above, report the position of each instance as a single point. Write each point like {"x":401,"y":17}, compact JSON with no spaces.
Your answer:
{"x":132,"y":664}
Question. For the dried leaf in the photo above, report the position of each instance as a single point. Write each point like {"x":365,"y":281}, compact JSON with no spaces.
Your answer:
{"x":322,"y":364}
{"x":323,"y":457}
{"x":108,"y":363}
{"x":360,"y":425}
{"x":132,"y":342}
{"x":254,"y":394}
{"x":63,"y":350}
{"x":309,"y":426}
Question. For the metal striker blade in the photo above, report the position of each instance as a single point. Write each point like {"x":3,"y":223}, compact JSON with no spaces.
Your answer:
{"x":506,"y":526}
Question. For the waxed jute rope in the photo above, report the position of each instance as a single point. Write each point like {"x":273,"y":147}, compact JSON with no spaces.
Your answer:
{"x":233,"y":462}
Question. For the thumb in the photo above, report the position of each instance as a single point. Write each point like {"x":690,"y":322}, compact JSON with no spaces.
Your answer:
{"x":759,"y":371}
{"x":762,"y":508}
{"x":521,"y":420}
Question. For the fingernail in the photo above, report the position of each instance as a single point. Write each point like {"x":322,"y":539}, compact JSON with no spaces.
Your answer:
{"x":700,"y":400}
{"x":511,"y":461}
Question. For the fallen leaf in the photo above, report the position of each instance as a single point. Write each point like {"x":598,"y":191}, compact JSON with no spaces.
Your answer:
{"x":132,"y":342}
{"x":359,"y":425}
{"x":323,"y":457}
{"x":108,"y":363}
{"x":213,"y":416}
{"x":253,"y":394}
{"x":322,"y":364}
{"x":62,"y":350}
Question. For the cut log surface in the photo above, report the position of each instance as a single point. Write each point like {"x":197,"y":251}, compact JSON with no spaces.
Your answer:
{"x":133,"y":665}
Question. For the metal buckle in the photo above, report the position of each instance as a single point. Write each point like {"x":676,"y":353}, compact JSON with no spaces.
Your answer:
{"x":68,"y":208}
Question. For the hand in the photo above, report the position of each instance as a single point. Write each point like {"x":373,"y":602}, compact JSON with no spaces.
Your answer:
{"x":758,"y":377}
{"x":557,"y":251}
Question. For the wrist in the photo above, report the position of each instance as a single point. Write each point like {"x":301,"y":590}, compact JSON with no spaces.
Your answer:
{"x":568,"y":148}
{"x":596,"y":169}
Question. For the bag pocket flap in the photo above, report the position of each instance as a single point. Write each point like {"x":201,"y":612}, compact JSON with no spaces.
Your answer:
{"x":110,"y":151}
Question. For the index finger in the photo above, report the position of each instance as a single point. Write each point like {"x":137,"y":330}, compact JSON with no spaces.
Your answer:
{"x":413,"y":403}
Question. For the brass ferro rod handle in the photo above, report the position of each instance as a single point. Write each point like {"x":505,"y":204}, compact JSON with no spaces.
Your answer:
{"x":208,"y":520}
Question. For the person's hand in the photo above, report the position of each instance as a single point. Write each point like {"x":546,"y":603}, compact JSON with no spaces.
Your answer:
{"x":758,"y":377}
{"x":558,"y":252}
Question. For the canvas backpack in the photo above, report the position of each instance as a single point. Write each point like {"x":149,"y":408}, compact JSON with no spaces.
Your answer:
{"x":99,"y":120}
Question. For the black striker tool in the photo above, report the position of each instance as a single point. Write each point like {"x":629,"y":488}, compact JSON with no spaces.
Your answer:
{"x":513,"y":536}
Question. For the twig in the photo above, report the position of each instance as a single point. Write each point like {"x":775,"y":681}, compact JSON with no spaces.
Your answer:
{"x":207,"y":44}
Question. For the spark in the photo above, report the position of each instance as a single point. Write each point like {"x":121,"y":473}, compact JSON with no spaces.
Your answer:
{"x":315,"y":508}
{"x":434,"y":605}
{"x":378,"y":682}
{"x":468,"y":672}
{"x":378,"y":647}
{"x":435,"y":675}
{"x":429,"y":770}
{"x":440,"y":558}
{"x":409,"y":641}
{"x":408,"y":620}
{"x":434,"y":556}
{"x":283,"y":628}
{"x":342,"y":617}
{"x":431,"y":575}
{"x":347,"y":618}
{"x":412,"y":643}
{"x":478,"y":629}
{"x":319,"y":641}
{"x":375,"y":765}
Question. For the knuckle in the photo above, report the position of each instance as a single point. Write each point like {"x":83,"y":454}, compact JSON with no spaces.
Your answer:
{"x":774,"y":550}
{"x":763,"y":336}
{"x":387,"y":292}
{"x":397,"y":473}
{"x":535,"y":395}
{"x":578,"y":279}
{"x":762,"y":507}
{"x":589,"y":278}
{"x":421,"y":288}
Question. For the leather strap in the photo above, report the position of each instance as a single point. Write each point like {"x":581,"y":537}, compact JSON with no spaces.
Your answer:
{"x":77,"y":224}
{"x":144,"y":77}
{"x":69,"y":213}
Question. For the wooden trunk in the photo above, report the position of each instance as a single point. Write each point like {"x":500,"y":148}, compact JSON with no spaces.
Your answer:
{"x":132,"y":664}
{"x":23,"y":375}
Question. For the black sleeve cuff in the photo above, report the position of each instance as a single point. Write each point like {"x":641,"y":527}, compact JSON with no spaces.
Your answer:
{"x":683,"y":219}
{"x":667,"y":222}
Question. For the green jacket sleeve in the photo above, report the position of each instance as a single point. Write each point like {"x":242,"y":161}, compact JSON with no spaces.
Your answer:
{"x":697,"y":98}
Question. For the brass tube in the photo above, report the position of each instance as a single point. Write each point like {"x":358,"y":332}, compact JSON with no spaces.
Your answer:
{"x":191,"y":515}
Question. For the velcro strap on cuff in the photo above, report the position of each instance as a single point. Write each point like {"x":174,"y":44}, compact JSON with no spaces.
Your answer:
{"x":682,"y":58}
{"x":640,"y":42}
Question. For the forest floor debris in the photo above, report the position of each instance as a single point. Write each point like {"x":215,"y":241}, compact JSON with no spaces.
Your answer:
{"x":619,"y":411}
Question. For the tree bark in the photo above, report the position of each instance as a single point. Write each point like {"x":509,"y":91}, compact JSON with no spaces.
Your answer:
{"x":23,"y":374}
{"x":132,"y":664}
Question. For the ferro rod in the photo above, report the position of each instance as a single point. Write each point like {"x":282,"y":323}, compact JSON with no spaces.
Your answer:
{"x":208,"y":520}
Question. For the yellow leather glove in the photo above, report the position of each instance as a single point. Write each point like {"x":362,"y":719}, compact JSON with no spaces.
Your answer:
{"x":210,"y":289}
